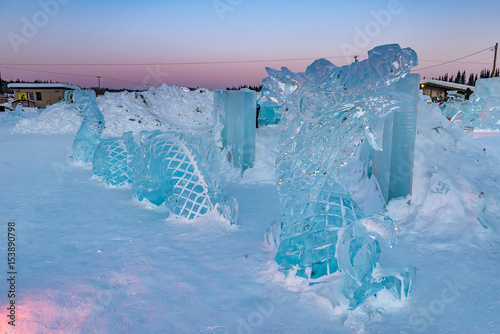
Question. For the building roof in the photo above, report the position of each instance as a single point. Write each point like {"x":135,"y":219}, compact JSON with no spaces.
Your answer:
{"x":41,"y":85}
{"x":446,"y":84}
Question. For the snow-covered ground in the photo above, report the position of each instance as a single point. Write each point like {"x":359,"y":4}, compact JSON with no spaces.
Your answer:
{"x":90,"y":259}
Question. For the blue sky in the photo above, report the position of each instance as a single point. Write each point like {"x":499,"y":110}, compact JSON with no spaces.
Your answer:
{"x":148,"y":36}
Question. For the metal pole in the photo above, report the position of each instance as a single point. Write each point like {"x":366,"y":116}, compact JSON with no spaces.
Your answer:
{"x":494,"y":61}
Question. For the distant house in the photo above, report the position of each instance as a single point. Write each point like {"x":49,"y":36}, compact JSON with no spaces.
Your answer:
{"x":438,"y":89}
{"x":41,"y":94}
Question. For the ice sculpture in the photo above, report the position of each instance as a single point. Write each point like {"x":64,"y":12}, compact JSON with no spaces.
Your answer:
{"x":14,"y":115}
{"x":89,"y":134}
{"x":174,"y":169}
{"x":235,"y":113}
{"x":268,"y":113}
{"x":113,"y":159}
{"x":482,"y":110}
{"x":326,"y":112}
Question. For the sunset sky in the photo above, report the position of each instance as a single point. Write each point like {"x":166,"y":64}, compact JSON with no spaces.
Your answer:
{"x":215,"y":44}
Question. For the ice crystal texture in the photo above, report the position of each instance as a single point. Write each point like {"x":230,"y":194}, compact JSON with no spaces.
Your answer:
{"x":89,"y":134}
{"x":114,"y":158}
{"x":326,"y":112}
{"x":180,"y":171}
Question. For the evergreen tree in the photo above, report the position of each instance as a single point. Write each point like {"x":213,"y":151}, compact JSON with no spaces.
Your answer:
{"x":471,"y":81}
{"x":484,"y":73}
{"x":458,"y":78}
{"x":451,"y":79}
{"x":462,"y":78}
{"x":445,"y":77}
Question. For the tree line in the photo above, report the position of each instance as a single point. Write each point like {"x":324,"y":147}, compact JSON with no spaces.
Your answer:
{"x":470,"y":80}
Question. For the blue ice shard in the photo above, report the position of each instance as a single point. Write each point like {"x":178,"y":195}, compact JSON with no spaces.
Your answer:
{"x":236,"y":114}
{"x":326,"y":113}
{"x":181,"y":172}
{"x":113,"y":160}
{"x":89,"y":134}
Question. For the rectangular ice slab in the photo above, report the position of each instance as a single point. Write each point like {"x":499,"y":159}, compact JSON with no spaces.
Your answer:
{"x":393,"y":166}
{"x":236,"y":110}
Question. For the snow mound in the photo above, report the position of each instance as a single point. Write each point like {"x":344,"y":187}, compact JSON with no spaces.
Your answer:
{"x":456,"y":189}
{"x":59,"y":118}
{"x":164,"y":108}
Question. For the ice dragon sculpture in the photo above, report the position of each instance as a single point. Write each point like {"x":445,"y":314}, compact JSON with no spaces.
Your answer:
{"x":177,"y":170}
{"x":326,"y":112}
{"x":168,"y":168}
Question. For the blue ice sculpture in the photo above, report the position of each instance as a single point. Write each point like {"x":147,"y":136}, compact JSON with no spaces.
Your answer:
{"x":326,"y":112}
{"x":268,"y":113}
{"x":89,"y":134}
{"x":113,"y":159}
{"x":14,"y":115}
{"x":180,"y":171}
{"x":236,"y":113}
{"x":482,"y":110}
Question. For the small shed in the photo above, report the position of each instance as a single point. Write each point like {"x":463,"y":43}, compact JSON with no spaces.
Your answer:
{"x":438,"y":90}
{"x":41,"y":94}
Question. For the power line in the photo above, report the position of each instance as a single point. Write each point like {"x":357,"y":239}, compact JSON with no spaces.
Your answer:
{"x":70,"y":74}
{"x":454,"y":60}
{"x":175,"y":63}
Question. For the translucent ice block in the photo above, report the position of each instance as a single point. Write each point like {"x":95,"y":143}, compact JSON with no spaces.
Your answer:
{"x":181,"y":172}
{"x":235,"y":111}
{"x":393,"y":165}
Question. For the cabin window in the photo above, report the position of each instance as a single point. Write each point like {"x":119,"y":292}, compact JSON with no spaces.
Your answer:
{"x":38,"y":96}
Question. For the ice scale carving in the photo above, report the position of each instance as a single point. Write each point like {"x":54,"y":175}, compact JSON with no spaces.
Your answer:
{"x":114,"y":158}
{"x":326,"y":113}
{"x":174,"y":169}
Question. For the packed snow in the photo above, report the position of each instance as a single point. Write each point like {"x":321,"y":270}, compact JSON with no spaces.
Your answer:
{"x":90,"y":258}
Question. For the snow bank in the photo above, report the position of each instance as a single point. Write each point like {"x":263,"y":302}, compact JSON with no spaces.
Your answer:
{"x":456,"y":190}
{"x":163,"y":108}
{"x":59,"y":118}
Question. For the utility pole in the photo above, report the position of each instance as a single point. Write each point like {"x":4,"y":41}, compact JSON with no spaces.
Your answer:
{"x":99,"y":82}
{"x":494,"y":61}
